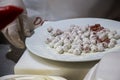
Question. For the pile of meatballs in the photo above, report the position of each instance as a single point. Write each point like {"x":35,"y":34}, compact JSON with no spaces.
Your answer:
{"x":79,"y":40}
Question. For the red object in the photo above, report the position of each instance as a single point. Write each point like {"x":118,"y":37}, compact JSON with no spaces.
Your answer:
{"x":38,"y":20}
{"x":8,"y":14}
{"x":96,"y":27}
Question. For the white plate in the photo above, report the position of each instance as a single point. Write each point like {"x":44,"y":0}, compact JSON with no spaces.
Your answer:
{"x":30,"y":77}
{"x":36,"y":43}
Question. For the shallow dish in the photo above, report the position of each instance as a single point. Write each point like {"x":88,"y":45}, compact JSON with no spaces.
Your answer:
{"x":36,"y":43}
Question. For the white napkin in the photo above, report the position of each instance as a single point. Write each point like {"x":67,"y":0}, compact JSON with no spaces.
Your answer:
{"x":107,"y":69}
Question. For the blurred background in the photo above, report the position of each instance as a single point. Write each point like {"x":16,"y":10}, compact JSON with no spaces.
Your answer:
{"x":9,"y":55}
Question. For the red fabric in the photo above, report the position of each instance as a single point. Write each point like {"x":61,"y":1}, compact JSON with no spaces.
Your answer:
{"x":8,"y":14}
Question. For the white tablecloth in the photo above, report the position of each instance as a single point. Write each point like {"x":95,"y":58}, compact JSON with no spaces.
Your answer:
{"x":32,"y":64}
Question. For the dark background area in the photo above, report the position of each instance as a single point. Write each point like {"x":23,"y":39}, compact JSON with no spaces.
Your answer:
{"x":9,"y":55}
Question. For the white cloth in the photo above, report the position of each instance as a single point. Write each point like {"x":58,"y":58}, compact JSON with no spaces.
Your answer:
{"x":107,"y":69}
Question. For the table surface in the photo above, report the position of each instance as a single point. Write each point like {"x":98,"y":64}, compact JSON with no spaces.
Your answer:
{"x":42,"y":66}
